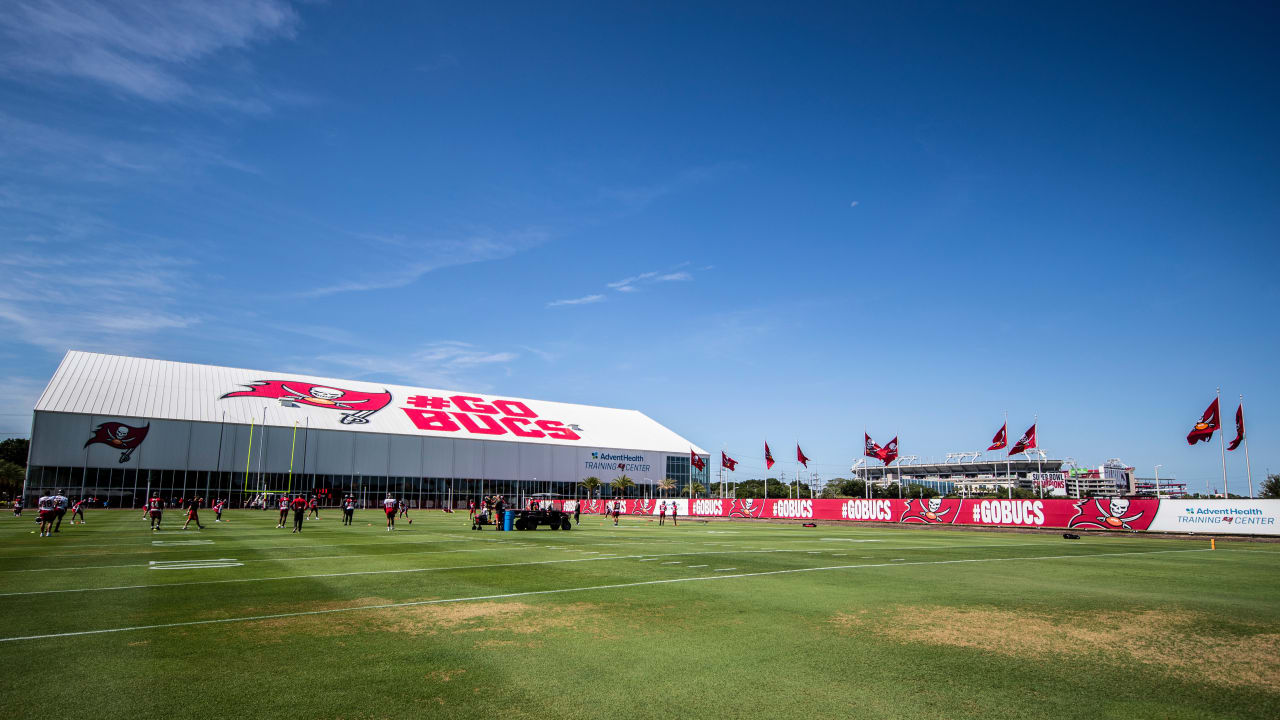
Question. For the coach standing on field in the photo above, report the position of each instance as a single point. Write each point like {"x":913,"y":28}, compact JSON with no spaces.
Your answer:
{"x":299,"y":512}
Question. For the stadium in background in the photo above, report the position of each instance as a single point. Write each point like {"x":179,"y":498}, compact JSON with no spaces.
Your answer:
{"x":117,"y":428}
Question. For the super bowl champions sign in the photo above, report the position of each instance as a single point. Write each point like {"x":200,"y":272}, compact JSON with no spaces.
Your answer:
{"x":1240,"y":517}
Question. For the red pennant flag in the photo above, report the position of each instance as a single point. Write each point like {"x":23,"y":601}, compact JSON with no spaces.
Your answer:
{"x":696,"y":461}
{"x":1027,"y":442}
{"x":890,"y":452}
{"x":768,"y":457}
{"x":727,"y":462}
{"x":1239,"y":428}
{"x":871,"y":449}
{"x":800,"y":458}
{"x":1001,"y":440}
{"x":1209,"y":423}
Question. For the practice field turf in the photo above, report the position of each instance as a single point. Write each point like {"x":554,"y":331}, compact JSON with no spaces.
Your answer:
{"x":713,"y":619}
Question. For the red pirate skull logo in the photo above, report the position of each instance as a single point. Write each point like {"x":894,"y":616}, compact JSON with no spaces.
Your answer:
{"x":361,"y":404}
{"x":1110,"y":516}
{"x":642,"y":507}
{"x":930,"y":511}
{"x":747,"y":508}
{"x":120,"y":436}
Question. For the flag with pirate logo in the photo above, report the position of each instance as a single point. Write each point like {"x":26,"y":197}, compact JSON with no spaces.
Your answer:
{"x":886,"y":454}
{"x":119,"y":436}
{"x":1001,"y":440}
{"x":768,"y":457}
{"x":890,"y":451}
{"x":1208,"y":424}
{"x":727,"y":462}
{"x":358,"y":404}
{"x":1027,"y":442}
{"x":696,"y":461}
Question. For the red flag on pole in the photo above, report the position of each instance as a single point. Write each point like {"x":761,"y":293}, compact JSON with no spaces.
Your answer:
{"x":871,"y":449}
{"x":1001,"y":440}
{"x":1209,"y":423}
{"x":1027,"y":442}
{"x":768,"y":457}
{"x":1239,"y":428}
{"x":890,"y":452}
{"x":800,"y":458}
{"x":727,"y":462}
{"x":696,"y":461}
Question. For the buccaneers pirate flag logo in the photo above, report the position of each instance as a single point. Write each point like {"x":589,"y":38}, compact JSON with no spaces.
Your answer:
{"x":360,"y":404}
{"x":120,"y":436}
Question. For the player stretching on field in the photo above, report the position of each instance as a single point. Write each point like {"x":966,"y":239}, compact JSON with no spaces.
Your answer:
{"x":299,"y":512}
{"x":284,"y":510}
{"x":77,"y":509}
{"x":155,"y":509}
{"x":389,"y":506}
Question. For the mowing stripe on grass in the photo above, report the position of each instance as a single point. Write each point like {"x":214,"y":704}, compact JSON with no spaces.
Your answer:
{"x":589,"y":588}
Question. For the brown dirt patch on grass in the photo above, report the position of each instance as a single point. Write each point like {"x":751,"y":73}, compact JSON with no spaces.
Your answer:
{"x":1179,"y":643}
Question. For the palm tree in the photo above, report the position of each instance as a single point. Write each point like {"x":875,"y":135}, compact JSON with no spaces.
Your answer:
{"x":591,"y":485}
{"x":694,"y":488}
{"x":666,"y":485}
{"x":621,"y":483}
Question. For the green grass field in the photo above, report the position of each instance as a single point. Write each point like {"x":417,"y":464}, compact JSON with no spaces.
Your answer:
{"x":705,"y":620}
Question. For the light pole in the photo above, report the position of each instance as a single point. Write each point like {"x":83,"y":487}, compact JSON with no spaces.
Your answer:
{"x":1158,"y":481}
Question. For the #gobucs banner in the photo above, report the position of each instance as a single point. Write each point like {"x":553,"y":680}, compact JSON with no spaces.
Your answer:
{"x":120,"y":436}
{"x":727,"y":462}
{"x":1001,"y":440}
{"x":1239,"y":428}
{"x":1027,"y":442}
{"x":359,"y":404}
{"x":1209,"y":423}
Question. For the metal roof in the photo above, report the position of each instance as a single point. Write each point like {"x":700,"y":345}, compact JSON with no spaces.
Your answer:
{"x":129,"y":387}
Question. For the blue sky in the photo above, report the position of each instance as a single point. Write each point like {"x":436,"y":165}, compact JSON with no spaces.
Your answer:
{"x":748,"y":221}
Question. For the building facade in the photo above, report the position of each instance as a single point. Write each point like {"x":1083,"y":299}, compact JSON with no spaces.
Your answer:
{"x":119,"y":428}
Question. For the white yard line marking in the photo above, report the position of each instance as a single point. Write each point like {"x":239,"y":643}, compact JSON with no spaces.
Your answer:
{"x":723,"y":569}
{"x":673,"y":562}
{"x":696,"y":566}
{"x":194,"y":564}
{"x":590,"y":588}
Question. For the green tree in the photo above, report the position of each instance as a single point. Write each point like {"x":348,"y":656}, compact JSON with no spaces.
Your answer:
{"x":694,"y":489}
{"x":666,"y":485}
{"x":917,"y":490}
{"x":10,"y":478}
{"x":15,"y":450}
{"x":591,"y":485}
{"x":1271,"y":487}
{"x":621,"y":484}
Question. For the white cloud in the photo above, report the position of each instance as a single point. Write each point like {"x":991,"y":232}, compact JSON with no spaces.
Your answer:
{"x":142,"y":49}
{"x":447,"y":364}
{"x":586,"y":300}
{"x":674,"y":277}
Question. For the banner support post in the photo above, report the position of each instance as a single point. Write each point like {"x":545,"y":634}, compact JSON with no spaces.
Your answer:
{"x":1222,"y":447}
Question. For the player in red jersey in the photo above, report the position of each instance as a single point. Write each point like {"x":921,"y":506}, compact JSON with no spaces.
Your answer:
{"x":389,"y":506}
{"x":17,"y":507}
{"x":471,"y":509}
{"x":217,"y":509}
{"x":299,"y":512}
{"x":155,"y":509}
{"x":284,"y":510}
{"x":313,"y":507}
{"x":77,"y":509}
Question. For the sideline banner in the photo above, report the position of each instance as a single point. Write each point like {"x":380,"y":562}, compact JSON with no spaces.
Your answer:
{"x":1241,"y":517}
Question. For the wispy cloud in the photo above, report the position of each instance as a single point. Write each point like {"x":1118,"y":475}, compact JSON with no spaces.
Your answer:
{"x":401,"y":261}
{"x":140,"y":49}
{"x":447,"y":364}
{"x":585,"y":300}
{"x":656,"y":276}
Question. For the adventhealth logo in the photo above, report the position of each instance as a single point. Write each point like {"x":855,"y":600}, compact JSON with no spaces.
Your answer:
{"x":617,"y":457}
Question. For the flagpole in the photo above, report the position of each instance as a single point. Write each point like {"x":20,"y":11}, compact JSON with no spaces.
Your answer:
{"x":1008,"y":461}
{"x":1245,"y":433}
{"x":1222,"y":447}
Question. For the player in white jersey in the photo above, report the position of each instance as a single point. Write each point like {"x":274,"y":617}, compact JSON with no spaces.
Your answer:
{"x":389,"y":506}
{"x":60,"y":503}
{"x":48,"y":508}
